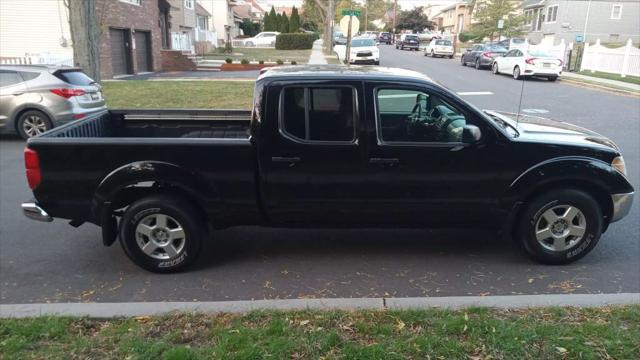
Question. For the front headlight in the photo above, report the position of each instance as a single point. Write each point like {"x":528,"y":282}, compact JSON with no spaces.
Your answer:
{"x":618,"y":164}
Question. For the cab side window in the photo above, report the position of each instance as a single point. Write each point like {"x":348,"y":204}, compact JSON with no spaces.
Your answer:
{"x":8,"y":78}
{"x":416,"y":116}
{"x":318,"y":114}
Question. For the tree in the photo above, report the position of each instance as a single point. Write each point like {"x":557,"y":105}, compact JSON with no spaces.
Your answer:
{"x":85,"y":36}
{"x":294,"y":21}
{"x":326,"y":8}
{"x":271,"y":21}
{"x":414,"y":19}
{"x":312,"y":17}
{"x":487,"y":15}
{"x":284,"y":23}
{"x":249,"y":28}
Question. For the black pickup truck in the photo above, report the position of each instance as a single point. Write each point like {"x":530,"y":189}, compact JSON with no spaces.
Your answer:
{"x":336,"y":147}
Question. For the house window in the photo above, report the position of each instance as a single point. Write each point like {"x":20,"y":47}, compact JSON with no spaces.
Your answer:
{"x":552,"y":13}
{"x":203,"y":23}
{"x":528,"y":17}
{"x":134,"y":2}
{"x":188,"y":4}
{"x":616,"y":11}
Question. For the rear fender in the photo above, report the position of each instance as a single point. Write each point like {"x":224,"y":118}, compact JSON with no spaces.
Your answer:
{"x":148,"y":175}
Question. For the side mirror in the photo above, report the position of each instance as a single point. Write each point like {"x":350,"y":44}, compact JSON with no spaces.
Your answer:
{"x":468,"y":49}
{"x":471,"y":134}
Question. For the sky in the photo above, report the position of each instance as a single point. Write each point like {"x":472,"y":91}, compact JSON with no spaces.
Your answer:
{"x":404,"y":4}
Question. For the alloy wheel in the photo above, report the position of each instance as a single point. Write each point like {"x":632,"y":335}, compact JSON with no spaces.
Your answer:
{"x":34,"y":125}
{"x":560,"y":228}
{"x":516,"y":73}
{"x":160,"y":236}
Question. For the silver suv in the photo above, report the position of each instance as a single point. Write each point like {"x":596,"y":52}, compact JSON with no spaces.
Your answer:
{"x":36,"y":98}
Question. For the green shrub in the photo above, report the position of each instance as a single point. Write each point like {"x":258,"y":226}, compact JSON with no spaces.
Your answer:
{"x":244,"y":61}
{"x":294,"y":62}
{"x":279,"y":62}
{"x":261,"y":62}
{"x":294,"y":41}
{"x":228,"y":60}
{"x":466,"y":36}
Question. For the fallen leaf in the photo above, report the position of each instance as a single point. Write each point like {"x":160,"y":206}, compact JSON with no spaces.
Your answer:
{"x":531,"y":281}
{"x":561,"y":350}
{"x":304,"y":322}
{"x":400,"y":325}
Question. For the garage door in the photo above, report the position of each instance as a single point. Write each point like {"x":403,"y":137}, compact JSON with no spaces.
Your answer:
{"x":118,"y":51}
{"x":142,"y":51}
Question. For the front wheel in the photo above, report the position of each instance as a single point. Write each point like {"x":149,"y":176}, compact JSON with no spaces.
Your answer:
{"x":494,"y":68}
{"x":516,"y":73}
{"x":560,"y":226}
{"x":433,"y":54}
{"x":477,"y":64}
{"x":162,"y":233}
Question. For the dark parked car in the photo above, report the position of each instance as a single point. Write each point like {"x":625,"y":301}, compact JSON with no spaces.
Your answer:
{"x":385,"y":38}
{"x":507,"y":43}
{"x":328,"y":147}
{"x":36,"y":98}
{"x":482,"y":55}
{"x":408,"y":41}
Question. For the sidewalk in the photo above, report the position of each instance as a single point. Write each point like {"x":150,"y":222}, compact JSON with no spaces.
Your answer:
{"x":614,"y":84}
{"x":317,"y":57}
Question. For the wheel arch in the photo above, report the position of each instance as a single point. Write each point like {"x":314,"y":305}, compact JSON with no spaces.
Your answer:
{"x":13,"y":119}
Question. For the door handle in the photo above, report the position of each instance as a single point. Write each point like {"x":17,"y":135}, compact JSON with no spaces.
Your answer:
{"x":18,"y":93}
{"x":384,"y":161}
{"x":282,"y":159}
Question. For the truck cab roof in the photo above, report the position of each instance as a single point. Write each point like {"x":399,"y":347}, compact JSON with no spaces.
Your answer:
{"x":343,"y":72}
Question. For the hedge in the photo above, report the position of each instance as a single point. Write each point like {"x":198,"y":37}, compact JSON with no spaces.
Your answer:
{"x":294,"y":41}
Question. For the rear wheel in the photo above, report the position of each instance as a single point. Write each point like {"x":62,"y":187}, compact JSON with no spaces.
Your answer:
{"x":477,"y":64}
{"x":552,"y":78}
{"x":162,"y":233}
{"x":560,"y":226}
{"x":516,"y":73}
{"x":32,"y":123}
{"x":494,"y":68}
{"x":462,"y":62}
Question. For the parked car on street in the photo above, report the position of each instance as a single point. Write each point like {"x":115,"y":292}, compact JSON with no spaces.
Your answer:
{"x":370,"y":34}
{"x":265,"y":38}
{"x":512,"y":42}
{"x":339,"y":38}
{"x":522,"y":63}
{"x":408,"y":41}
{"x":385,"y":38}
{"x":439,"y":47}
{"x":331,"y":146}
{"x":36,"y":98}
{"x":428,"y":35}
{"x":364,"y":51}
{"x":482,"y":55}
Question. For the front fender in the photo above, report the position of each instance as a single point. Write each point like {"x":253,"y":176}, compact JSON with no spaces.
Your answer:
{"x":568,"y":170}
{"x":147,"y":173}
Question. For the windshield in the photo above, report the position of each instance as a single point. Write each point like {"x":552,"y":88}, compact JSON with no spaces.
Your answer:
{"x":362,"y":42}
{"x":411,"y":37}
{"x":443,"y":42}
{"x":539,"y":53}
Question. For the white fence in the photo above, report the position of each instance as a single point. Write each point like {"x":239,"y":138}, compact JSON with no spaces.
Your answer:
{"x":206,"y":35}
{"x":39,"y":59}
{"x":624,"y":60}
{"x":180,"y":41}
{"x":240,"y":43}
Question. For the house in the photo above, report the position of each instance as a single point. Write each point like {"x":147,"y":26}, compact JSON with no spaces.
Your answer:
{"x":249,"y":9}
{"x":222,"y":17}
{"x":38,"y":30}
{"x":454,"y":19}
{"x":582,"y":20}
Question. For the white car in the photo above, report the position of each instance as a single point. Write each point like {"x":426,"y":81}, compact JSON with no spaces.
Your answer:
{"x":370,"y":34}
{"x":428,"y":35}
{"x":439,"y":47}
{"x":520,"y":62}
{"x":267,"y":38}
{"x":364,"y":51}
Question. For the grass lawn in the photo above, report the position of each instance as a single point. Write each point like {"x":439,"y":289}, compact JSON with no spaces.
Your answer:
{"x":178,"y":94}
{"x":269,"y":54}
{"x":555,"y":333}
{"x":603,"y":75}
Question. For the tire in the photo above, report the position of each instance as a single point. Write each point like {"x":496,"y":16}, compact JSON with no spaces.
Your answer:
{"x":494,"y":68}
{"x":142,"y":220}
{"x":450,"y":56}
{"x":462,"y":62}
{"x":33,"y":123}
{"x":377,"y":63}
{"x":516,"y":73}
{"x":477,"y":64}
{"x":433,"y":54}
{"x":249,"y":44}
{"x":552,"y":78}
{"x":561,"y":246}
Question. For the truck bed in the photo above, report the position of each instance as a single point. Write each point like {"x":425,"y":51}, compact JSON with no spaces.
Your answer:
{"x":161,"y":123}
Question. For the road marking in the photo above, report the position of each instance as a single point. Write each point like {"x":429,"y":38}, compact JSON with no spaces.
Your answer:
{"x":472,"y":93}
{"x":107,"y":310}
{"x":535,"y":111}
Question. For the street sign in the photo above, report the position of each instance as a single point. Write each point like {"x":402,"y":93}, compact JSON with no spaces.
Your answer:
{"x":351,"y":12}
{"x":344,"y":25}
{"x":500,"y":24}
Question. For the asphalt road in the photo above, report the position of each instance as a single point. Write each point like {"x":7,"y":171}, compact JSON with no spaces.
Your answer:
{"x":53,"y":262}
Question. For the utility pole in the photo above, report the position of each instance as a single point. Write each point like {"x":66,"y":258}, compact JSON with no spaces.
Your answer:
{"x":348,"y":51}
{"x":366,"y":16}
{"x":395,"y":15}
{"x":85,"y":35}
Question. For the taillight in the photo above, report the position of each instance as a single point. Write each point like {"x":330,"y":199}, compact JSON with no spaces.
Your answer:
{"x":32,"y":166}
{"x":78,"y":116}
{"x":67,"y":93}
{"x":530,"y":61}
{"x":487,"y":54}
{"x":561,"y":62}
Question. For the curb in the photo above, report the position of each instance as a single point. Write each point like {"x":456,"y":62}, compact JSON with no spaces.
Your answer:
{"x":600,"y":86}
{"x":110,"y":310}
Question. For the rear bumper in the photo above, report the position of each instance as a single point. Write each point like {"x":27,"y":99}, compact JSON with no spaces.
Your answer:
{"x":621,"y":205}
{"x":35,"y":212}
{"x":410,"y":46}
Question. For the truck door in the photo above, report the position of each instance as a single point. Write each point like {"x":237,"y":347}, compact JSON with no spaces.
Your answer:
{"x":418,"y":170}
{"x":311,"y":162}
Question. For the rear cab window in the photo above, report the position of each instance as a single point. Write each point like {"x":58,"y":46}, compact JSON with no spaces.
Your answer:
{"x":443,"y":42}
{"x":74,"y":77}
{"x":318,"y":114}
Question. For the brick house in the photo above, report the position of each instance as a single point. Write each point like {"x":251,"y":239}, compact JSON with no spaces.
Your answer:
{"x":131,"y":38}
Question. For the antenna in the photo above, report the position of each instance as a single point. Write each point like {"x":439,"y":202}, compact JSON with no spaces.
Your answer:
{"x":521,"y":91}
